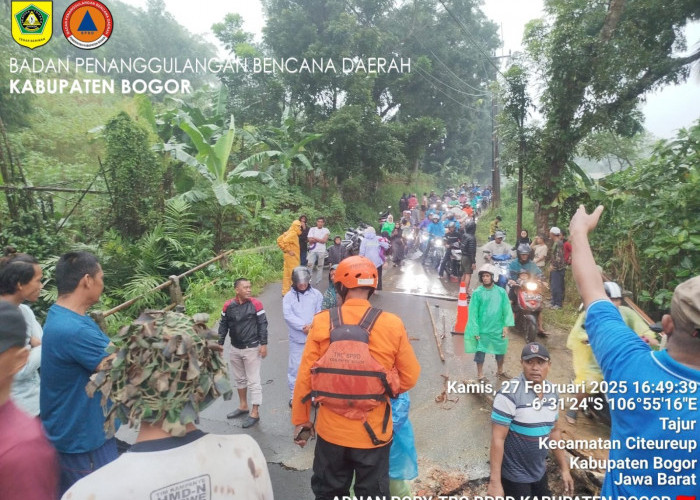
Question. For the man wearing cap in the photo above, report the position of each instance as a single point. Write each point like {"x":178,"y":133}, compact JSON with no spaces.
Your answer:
{"x":626,"y":359}
{"x":171,"y":458}
{"x":557,"y":268}
{"x":496,"y":246}
{"x":28,"y":465}
{"x":524,"y":417}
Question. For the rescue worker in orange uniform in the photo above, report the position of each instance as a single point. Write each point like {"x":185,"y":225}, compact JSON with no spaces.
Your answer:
{"x":344,"y":446}
{"x":289,"y":244}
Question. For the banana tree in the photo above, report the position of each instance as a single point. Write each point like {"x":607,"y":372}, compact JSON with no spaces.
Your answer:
{"x":216,"y":184}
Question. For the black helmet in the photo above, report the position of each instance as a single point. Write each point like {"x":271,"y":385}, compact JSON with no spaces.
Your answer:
{"x":452,"y":225}
{"x":524,"y":248}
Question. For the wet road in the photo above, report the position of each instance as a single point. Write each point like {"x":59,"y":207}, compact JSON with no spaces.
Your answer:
{"x":451,"y":434}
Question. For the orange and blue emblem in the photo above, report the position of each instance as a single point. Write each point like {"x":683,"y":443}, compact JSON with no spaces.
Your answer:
{"x":32,"y":23}
{"x":87,"y":24}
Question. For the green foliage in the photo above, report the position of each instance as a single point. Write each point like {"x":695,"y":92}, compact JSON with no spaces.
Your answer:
{"x":135,"y":176}
{"x":595,"y":59}
{"x":649,"y":238}
{"x":208,"y":292}
{"x":30,"y":234}
{"x":508,"y":211}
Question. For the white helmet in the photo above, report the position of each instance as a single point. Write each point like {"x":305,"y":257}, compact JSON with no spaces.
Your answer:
{"x":487,"y":268}
{"x":613,"y":290}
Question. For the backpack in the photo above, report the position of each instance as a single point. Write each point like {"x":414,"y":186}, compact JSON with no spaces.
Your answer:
{"x":347,"y":379}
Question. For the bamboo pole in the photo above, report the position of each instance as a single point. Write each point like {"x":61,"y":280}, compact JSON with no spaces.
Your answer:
{"x":166,"y":284}
{"x":435,"y":332}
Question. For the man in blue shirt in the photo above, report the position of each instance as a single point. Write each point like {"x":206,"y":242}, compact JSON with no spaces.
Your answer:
{"x":658,"y":430}
{"x":73,"y":349}
{"x":435,"y":230}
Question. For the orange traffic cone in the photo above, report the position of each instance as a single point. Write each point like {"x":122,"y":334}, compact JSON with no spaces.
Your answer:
{"x":462,"y":310}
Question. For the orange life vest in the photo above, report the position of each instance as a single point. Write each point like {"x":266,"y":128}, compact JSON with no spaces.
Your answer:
{"x":347,"y":379}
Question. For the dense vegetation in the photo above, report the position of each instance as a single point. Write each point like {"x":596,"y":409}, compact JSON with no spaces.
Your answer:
{"x":164,"y":184}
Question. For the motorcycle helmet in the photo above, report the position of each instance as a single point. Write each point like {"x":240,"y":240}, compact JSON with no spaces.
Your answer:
{"x":451,"y":224}
{"x":301,"y":275}
{"x":613,"y":290}
{"x":434,"y":217}
{"x":356,"y":271}
{"x":486,"y":268}
{"x":499,"y":234}
{"x":524,"y":248}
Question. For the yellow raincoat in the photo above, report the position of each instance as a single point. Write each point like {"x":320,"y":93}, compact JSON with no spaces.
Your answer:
{"x":289,"y":244}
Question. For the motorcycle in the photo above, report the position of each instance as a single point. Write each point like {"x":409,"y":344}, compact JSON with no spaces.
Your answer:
{"x":353,"y":238}
{"x":527,"y":306}
{"x":502,"y":263}
{"x":434,"y":246}
{"x":454,"y":270}
{"x":383,"y":215}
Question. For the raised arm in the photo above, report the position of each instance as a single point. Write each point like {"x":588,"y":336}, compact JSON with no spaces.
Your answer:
{"x":588,"y":280}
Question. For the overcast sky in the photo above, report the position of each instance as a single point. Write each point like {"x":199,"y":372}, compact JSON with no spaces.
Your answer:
{"x":665,"y":111}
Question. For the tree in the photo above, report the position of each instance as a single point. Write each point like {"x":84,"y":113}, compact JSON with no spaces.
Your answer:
{"x":211,"y":162}
{"x":596,"y":60}
{"x":135,"y":176}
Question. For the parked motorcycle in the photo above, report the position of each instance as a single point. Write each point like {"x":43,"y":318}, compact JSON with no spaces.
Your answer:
{"x":527,"y":306}
{"x":383,"y":215}
{"x":353,"y":238}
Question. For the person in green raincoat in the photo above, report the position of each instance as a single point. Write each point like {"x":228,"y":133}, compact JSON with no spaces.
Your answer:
{"x":490,"y":315}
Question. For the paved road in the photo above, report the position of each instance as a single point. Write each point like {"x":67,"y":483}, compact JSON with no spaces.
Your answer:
{"x":451,"y":435}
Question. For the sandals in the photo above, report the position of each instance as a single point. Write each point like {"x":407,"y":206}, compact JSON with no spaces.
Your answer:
{"x":237,"y":413}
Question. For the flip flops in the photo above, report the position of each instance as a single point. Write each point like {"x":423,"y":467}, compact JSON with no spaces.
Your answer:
{"x":237,"y":413}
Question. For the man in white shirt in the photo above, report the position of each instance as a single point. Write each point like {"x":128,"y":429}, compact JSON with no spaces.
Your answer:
{"x":171,"y":457}
{"x":318,"y":236}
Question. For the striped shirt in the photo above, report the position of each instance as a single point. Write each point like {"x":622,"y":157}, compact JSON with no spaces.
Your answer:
{"x":523,"y":458}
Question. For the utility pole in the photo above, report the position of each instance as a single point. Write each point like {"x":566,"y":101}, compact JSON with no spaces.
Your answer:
{"x":495,"y":164}
{"x":495,"y":170}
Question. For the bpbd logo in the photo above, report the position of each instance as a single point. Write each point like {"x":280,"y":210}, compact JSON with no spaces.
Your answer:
{"x":32,"y":23}
{"x":87,"y":24}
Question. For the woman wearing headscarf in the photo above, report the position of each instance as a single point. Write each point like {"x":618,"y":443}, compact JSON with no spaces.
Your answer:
{"x":371,"y":247}
{"x":289,"y":244}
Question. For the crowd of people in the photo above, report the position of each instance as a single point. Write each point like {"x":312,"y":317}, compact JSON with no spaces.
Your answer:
{"x":349,"y":363}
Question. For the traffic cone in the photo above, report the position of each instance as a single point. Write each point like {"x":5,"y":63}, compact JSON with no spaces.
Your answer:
{"x":462,"y":310}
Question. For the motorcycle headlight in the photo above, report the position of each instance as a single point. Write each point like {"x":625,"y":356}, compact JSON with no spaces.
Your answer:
{"x":438,"y":242}
{"x":409,"y":237}
{"x":531,"y":286}
{"x":424,"y":237}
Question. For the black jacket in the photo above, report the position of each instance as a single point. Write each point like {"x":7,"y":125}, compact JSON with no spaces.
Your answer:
{"x":469,"y":247}
{"x":245,"y":322}
{"x":336,"y":253}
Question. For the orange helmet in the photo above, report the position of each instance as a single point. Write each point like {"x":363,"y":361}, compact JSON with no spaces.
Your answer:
{"x":356,"y":271}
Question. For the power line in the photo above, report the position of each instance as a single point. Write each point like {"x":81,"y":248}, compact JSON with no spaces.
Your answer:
{"x":482,"y":91}
{"x":448,"y":86}
{"x":422,"y":73}
{"x":474,"y":42}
